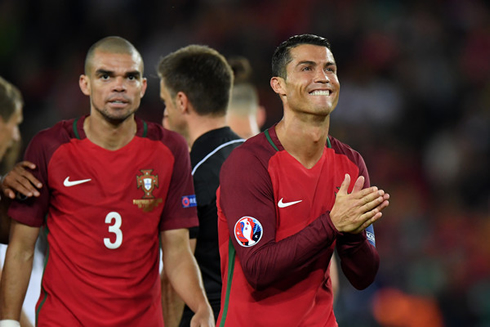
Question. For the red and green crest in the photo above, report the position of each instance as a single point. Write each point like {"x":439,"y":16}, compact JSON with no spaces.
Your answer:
{"x":147,"y":182}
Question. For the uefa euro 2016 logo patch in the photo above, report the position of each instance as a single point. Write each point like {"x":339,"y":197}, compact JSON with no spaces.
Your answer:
{"x":189,"y":201}
{"x":248,"y":231}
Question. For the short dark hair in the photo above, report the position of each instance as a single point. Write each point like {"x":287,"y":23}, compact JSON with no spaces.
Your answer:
{"x":203,"y":74}
{"x":111,"y":44}
{"x":10,"y":98}
{"x":282,"y":54}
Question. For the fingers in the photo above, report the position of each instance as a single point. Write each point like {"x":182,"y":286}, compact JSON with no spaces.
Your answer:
{"x":21,"y":172}
{"x":9,"y":193}
{"x":345,"y":185}
{"x":368,"y":222}
{"x":27,"y":164}
{"x":375,"y":214}
{"x":359,"y":184}
{"x":22,"y":186}
{"x":21,"y":180}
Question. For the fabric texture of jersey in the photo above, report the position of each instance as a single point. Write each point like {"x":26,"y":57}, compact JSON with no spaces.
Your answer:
{"x":103,"y":212}
{"x":208,"y":153}
{"x":275,"y":211}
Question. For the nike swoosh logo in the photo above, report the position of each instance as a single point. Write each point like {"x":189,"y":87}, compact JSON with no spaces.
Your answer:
{"x":67,"y":182}
{"x":281,"y":204}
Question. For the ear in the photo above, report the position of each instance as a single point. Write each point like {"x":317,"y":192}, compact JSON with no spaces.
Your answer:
{"x":277,"y":84}
{"x":84,"y":84}
{"x":182,"y":102}
{"x":144,"y":85}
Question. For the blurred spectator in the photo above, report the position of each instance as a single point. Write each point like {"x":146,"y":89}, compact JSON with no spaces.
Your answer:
{"x":245,"y":115}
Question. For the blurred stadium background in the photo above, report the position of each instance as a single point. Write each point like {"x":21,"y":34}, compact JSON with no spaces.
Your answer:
{"x":415,"y":101}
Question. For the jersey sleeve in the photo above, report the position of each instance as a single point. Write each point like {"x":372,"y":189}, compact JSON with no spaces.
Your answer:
{"x":32,"y":211}
{"x":246,"y":191}
{"x":180,"y":205}
{"x":359,"y":259}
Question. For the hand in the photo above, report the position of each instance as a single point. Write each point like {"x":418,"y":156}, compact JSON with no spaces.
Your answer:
{"x":354,"y":212}
{"x":203,"y":318}
{"x":21,"y":180}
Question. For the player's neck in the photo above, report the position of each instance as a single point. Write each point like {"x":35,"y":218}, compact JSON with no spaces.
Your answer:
{"x":107,"y":135}
{"x":305,"y":141}
{"x":200,"y":125}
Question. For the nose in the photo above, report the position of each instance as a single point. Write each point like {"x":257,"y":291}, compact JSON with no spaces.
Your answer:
{"x":119,"y":84}
{"x":321,"y":76}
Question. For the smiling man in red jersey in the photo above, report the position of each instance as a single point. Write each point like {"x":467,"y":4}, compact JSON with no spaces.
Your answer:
{"x":291,"y":195}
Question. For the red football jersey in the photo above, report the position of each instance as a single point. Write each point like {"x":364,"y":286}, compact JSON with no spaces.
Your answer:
{"x":103,"y":211}
{"x":275,"y":212}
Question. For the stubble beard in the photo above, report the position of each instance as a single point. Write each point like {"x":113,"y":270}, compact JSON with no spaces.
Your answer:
{"x":114,"y":119}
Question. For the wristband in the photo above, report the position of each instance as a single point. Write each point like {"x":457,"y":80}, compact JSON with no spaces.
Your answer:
{"x":9,"y":323}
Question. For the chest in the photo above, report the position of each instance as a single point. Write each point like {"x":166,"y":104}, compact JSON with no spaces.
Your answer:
{"x":134,"y":179}
{"x":302,"y":195}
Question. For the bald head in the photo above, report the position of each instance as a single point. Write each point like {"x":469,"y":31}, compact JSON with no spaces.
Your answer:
{"x":111,"y":44}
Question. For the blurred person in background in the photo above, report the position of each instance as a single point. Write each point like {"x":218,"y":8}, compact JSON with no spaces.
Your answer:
{"x":245,"y":115}
{"x":11,"y":103}
{"x":195,"y":87}
{"x":101,"y":148}
{"x":291,"y":195}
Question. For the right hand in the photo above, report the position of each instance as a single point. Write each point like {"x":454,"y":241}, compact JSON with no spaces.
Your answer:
{"x":19,"y":179}
{"x":354,"y":212}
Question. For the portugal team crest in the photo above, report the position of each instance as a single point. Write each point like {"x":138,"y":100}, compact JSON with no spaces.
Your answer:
{"x":248,"y":231}
{"x":147,"y":182}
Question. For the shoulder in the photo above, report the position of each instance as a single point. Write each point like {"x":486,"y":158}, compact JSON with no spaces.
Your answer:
{"x":342,"y":148}
{"x":257,"y":150}
{"x":53,"y":137}
{"x":172,"y":140}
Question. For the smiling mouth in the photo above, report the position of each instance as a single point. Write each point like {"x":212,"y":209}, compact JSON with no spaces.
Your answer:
{"x":321,"y":92}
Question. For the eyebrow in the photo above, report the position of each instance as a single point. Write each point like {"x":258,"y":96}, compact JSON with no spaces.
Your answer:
{"x":309,"y":62}
{"x":111,"y":73}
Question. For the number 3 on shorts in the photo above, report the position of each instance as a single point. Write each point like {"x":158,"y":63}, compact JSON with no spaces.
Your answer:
{"x":114,"y":228}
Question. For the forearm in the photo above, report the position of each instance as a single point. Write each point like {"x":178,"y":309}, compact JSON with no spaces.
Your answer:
{"x":15,"y":279}
{"x":184,"y":275}
{"x":186,"y":281}
{"x":359,"y":259}
{"x":172,"y":304}
{"x":274,"y":260}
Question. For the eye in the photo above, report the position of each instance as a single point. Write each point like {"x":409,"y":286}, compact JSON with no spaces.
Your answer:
{"x":104,"y":76}
{"x":306,"y":68}
{"x":132,"y":77}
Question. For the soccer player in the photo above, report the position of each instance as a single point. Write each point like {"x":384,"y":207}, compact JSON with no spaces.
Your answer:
{"x":289,"y":196}
{"x":11,"y":104}
{"x":195,"y":87}
{"x":114,"y":187}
